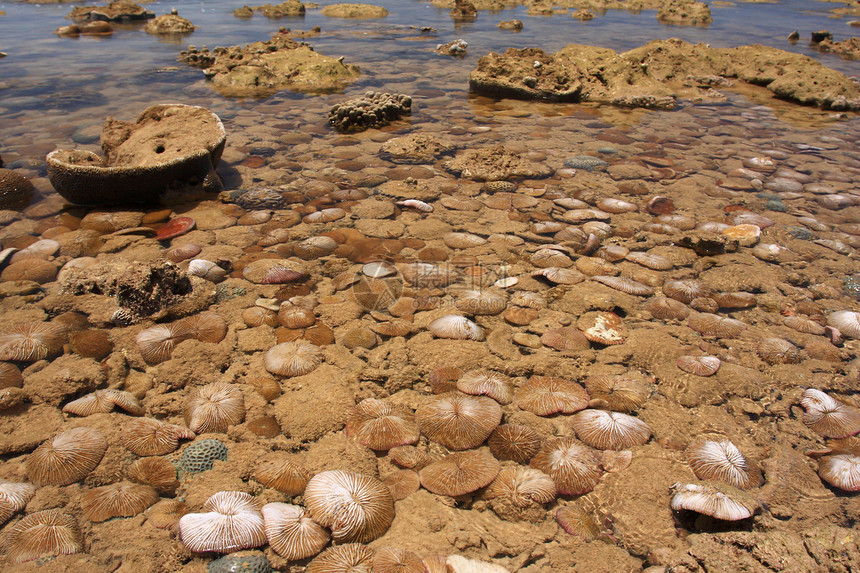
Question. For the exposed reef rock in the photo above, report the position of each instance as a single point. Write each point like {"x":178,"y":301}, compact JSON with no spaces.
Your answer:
{"x":494,"y":163}
{"x":119,"y":11}
{"x":288,"y":8}
{"x":456,"y":48}
{"x":849,"y":48}
{"x":654,"y":75}
{"x":166,"y":145}
{"x":263,"y":68}
{"x":15,"y":190}
{"x":550,"y":6}
{"x":685,"y":13}
{"x":169,"y":25}
{"x":374,"y":109}
{"x":463,"y":10}
{"x":354,"y":11}
{"x":415,"y":148}
{"x":142,"y":289}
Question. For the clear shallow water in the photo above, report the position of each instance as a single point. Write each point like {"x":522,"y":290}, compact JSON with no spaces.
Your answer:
{"x":51,"y":85}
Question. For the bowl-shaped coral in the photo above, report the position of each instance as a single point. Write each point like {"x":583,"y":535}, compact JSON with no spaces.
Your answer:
{"x":167,"y":144}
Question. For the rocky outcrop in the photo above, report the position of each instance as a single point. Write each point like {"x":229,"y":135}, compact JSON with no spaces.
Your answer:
{"x":169,"y":25}
{"x":354,"y":11}
{"x":263,"y":68}
{"x":119,"y":11}
{"x":288,"y":8}
{"x":167,"y":145}
{"x":685,"y":13}
{"x":849,"y":48}
{"x":374,"y":109}
{"x":654,"y":75}
{"x":494,"y":163}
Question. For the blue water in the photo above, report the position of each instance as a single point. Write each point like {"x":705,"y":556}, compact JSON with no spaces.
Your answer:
{"x":51,"y":85}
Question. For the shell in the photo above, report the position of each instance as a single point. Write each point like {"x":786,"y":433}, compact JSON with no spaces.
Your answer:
{"x":67,"y":457}
{"x":183,"y":252}
{"x":156,"y":472}
{"x":460,"y":473}
{"x":315,"y":247}
{"x":416,"y":204}
{"x":483,"y":302}
{"x":43,"y":534}
{"x":664,"y":308}
{"x":718,"y":501}
{"x":117,"y":500}
{"x":522,"y":486}
{"x":528,"y":299}
{"x":357,"y":508}
{"x":487,"y":383}
{"x":828,"y":416}
{"x":841,"y":470}
{"x":174,"y":228}
{"x":545,"y":395}
{"x":294,"y":316}
{"x":550,"y":258}
{"x":560,"y":276}
{"x":686,"y":290}
{"x":709,"y":324}
{"x":778,"y":351}
{"x":258,"y":316}
{"x":616,"y":206}
{"x":205,"y":327}
{"x":734,"y":300}
{"x":208,"y":270}
{"x":655,"y":262}
{"x":602,"y":327}
{"x":457,"y":421}
{"x":519,"y":316}
{"x":577,"y":521}
{"x":699,"y":365}
{"x":625,"y":285}
{"x":426,"y":275}
{"x":514,"y":442}
{"x":13,"y":498}
{"x":151,"y":437}
{"x":846,"y":321}
{"x":805,"y":325}
{"x":410,"y":457}
{"x":103,"y":402}
{"x":291,"y":532}
{"x":462,"y":240}
{"x":456,"y":327}
{"x":618,"y":393}
{"x":352,"y":557}
{"x":573,"y":466}
{"x":402,"y":483}
{"x":31,"y":341}
{"x":392,"y":560}
{"x":156,"y":344}
{"x":609,"y":430}
{"x":214,"y":407}
{"x":380,"y":425}
{"x":325,"y":215}
{"x":283,"y":475}
{"x":232,"y":521}
{"x":565,"y":339}
{"x":292,"y":358}
{"x":722,"y":461}
{"x":593,"y":266}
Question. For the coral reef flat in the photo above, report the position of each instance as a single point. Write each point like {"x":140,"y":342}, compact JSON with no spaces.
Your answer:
{"x":493,"y":286}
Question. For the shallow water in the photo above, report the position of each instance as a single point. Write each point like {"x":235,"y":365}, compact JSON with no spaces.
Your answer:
{"x":56,"y":92}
